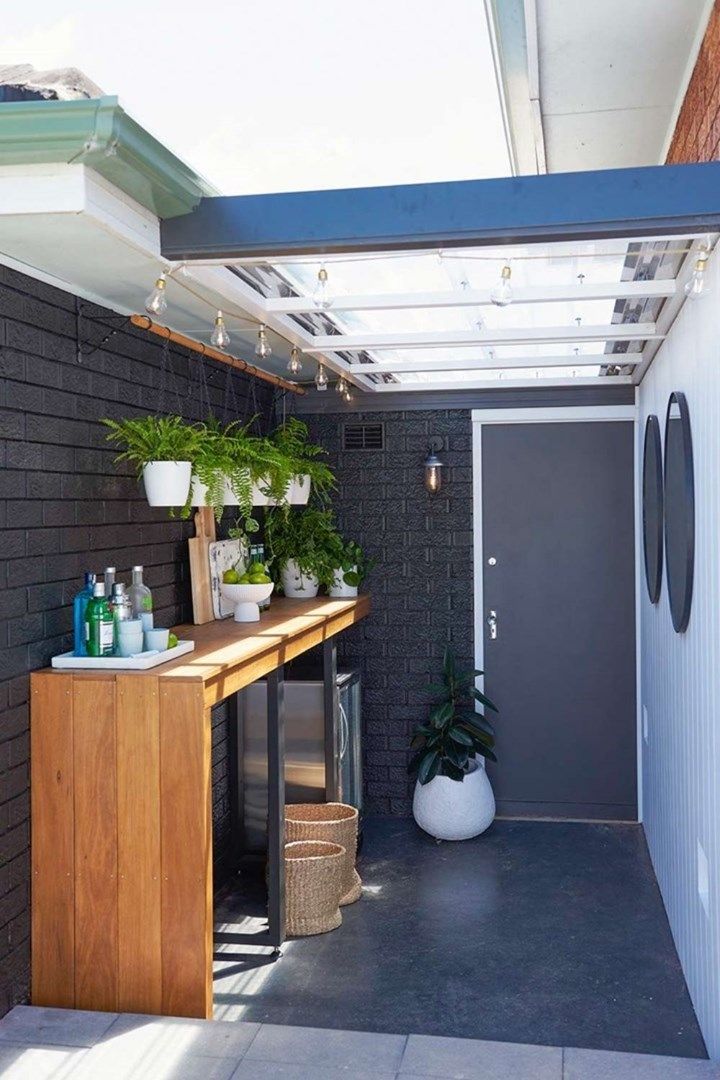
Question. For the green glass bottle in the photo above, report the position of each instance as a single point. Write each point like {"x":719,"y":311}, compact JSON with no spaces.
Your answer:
{"x":99,"y":624}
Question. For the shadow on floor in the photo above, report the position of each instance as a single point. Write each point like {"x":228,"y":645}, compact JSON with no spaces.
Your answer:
{"x":536,"y":932}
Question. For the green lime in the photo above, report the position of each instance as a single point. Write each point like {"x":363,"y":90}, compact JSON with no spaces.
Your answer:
{"x":255,"y":568}
{"x":244,"y":580}
{"x":231,"y":577}
{"x":258,"y":579}
{"x":172,"y":641}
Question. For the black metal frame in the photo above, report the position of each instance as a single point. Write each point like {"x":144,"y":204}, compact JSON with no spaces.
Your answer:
{"x":274,"y":936}
{"x":680,"y":611}
{"x":653,"y":474}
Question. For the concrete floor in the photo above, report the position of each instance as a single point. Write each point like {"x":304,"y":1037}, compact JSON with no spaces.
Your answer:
{"x":542,"y":933}
{"x":62,"y":1044}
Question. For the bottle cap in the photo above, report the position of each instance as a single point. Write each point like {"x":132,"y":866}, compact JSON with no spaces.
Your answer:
{"x":90,"y":578}
{"x":109,"y":569}
{"x":99,"y":589}
{"x":118,"y":588}
{"x":136,"y":568}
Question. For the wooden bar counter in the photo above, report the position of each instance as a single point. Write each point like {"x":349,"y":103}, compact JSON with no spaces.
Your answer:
{"x":122,"y":901}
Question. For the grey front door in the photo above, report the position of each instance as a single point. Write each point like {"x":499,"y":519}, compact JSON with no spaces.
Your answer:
{"x":559,"y":572}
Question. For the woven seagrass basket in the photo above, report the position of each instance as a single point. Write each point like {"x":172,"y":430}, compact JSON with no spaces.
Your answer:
{"x":313,"y":885}
{"x":337,"y":823}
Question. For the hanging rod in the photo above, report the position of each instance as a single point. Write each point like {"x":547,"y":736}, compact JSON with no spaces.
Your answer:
{"x":144,"y":323}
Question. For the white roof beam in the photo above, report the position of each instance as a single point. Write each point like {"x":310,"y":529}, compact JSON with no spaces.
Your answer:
{"x":528,"y":294}
{"x":497,"y":363}
{"x":502,"y":384}
{"x":442,"y":339}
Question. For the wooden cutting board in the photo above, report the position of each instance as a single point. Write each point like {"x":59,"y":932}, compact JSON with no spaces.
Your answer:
{"x":199,"y":547}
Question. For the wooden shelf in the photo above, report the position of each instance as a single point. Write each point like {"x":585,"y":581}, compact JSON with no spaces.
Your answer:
{"x":121,"y":792}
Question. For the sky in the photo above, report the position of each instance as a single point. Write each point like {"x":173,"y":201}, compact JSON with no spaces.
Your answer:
{"x":287,"y":95}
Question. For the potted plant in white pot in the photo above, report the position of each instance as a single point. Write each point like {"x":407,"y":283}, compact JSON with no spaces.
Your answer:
{"x":162,"y":448}
{"x":300,"y":544}
{"x":306,"y":471}
{"x":453,"y":797}
{"x":350,"y":570}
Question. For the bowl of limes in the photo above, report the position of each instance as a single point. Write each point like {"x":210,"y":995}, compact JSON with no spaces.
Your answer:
{"x":246,"y":590}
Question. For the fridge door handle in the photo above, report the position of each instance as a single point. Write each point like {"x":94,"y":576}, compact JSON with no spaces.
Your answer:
{"x":344,"y":731}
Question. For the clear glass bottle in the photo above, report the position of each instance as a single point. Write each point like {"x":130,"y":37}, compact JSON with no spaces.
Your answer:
{"x":99,"y":624}
{"x":121,"y":609}
{"x":80,"y":604}
{"x":109,"y":579}
{"x":140,"y":595}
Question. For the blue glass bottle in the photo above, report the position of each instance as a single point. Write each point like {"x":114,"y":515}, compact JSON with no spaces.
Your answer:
{"x":80,"y":603}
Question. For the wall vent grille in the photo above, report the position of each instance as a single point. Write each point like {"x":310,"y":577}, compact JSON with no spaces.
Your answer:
{"x":363,"y":437}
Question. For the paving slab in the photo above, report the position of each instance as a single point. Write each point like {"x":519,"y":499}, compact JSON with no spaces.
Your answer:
{"x":608,"y":1065}
{"x":18,"y":1061}
{"x":54,"y":1027}
{"x":134,"y":1033}
{"x":474,"y":1059}
{"x":250,"y":1069}
{"x":322,"y":1048}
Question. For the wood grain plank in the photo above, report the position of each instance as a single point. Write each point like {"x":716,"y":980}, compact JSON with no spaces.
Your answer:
{"x":186,"y":845}
{"x":198,"y":548}
{"x":138,"y":809}
{"x":53,"y":878}
{"x":96,"y":902}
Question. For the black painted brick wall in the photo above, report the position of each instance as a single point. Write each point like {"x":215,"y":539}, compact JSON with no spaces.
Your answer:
{"x":422,"y":587}
{"x":64,"y":508}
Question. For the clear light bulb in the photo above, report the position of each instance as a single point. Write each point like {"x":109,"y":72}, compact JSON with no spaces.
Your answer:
{"x":341,"y":385}
{"x":502,"y":294}
{"x":321,"y":379}
{"x":695,"y":286}
{"x":347,"y":396}
{"x":220,"y":337}
{"x":321,"y":296}
{"x":156,"y":301}
{"x":262,"y":349}
{"x":294,"y":363}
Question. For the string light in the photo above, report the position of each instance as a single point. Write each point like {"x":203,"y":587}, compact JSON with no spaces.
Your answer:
{"x":341,"y":385}
{"x":156,"y":301}
{"x":347,"y":395}
{"x":220,"y":337}
{"x":321,"y":296}
{"x":695,"y":285}
{"x":294,"y":363}
{"x":321,"y":379}
{"x":502,"y":294}
{"x":262,"y":348}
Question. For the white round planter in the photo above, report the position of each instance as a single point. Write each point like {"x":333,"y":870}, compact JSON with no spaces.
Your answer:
{"x":259,"y":497}
{"x":297,"y":585}
{"x":339,"y":590}
{"x":299,"y":491}
{"x":167,"y":482}
{"x":199,"y":494}
{"x":455,"y":810}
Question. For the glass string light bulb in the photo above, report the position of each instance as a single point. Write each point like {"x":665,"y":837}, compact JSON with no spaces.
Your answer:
{"x":294,"y":363}
{"x":502,"y":293}
{"x":347,"y":394}
{"x":262,"y":348}
{"x":321,"y":295}
{"x":220,"y":337}
{"x":341,"y":385}
{"x":156,"y":301}
{"x":321,"y":379}
{"x":695,"y":285}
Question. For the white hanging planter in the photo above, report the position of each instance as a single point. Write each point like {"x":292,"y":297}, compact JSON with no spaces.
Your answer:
{"x":339,"y":589}
{"x":455,"y":809}
{"x":299,"y":491}
{"x":198,"y":495}
{"x":167,"y":482}
{"x":296,"y":584}
{"x":259,"y":497}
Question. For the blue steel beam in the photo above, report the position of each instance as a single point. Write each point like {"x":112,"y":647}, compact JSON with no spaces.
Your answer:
{"x":523,"y":209}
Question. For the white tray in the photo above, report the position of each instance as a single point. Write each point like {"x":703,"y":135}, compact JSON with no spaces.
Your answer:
{"x":121,"y":663}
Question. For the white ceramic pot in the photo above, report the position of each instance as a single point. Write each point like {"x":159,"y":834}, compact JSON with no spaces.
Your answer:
{"x":167,"y":482}
{"x":259,"y":497}
{"x":297,"y":585}
{"x":299,"y":491}
{"x":199,"y":494}
{"x":339,"y":589}
{"x":455,"y":810}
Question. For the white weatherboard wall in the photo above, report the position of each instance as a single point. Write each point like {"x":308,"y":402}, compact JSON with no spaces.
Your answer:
{"x":680,"y":673}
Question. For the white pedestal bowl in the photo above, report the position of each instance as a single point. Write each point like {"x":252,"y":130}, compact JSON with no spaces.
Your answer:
{"x":245,"y":599}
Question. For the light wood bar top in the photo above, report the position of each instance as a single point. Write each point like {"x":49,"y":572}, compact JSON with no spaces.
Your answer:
{"x":229,"y":656}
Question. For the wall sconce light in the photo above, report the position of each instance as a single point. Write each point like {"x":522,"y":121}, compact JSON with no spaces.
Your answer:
{"x":433,"y":466}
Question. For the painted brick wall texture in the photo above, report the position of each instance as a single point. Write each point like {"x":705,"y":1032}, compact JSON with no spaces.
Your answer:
{"x":64,"y":508}
{"x":422,"y":590}
{"x":697,"y":132}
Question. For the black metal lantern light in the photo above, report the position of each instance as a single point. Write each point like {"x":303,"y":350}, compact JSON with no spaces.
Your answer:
{"x":433,"y":466}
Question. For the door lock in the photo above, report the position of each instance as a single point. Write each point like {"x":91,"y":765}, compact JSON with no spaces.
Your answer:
{"x":493,"y":625}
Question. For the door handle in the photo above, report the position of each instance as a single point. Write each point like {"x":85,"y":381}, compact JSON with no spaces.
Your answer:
{"x":493,"y":625}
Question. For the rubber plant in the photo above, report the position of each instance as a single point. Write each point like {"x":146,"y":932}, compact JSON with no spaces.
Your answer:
{"x":455,"y":732}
